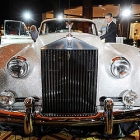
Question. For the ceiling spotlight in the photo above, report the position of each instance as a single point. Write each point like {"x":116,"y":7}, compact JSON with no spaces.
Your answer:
{"x":60,"y":16}
{"x":27,"y":15}
{"x":126,"y":12}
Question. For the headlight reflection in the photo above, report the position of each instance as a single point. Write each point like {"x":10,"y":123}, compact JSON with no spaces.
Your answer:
{"x":18,"y":67}
{"x":120,"y":67}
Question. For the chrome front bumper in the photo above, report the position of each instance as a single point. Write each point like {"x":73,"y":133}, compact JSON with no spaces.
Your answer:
{"x":30,"y":118}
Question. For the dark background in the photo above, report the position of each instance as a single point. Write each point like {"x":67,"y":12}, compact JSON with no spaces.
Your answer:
{"x":14,"y":9}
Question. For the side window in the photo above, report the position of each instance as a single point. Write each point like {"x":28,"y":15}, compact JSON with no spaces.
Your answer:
{"x":24,"y":30}
{"x":11,"y":28}
{"x":94,"y":32}
{"x":7,"y":29}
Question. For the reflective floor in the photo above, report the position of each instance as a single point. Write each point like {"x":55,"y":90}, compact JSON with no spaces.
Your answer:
{"x":8,"y":135}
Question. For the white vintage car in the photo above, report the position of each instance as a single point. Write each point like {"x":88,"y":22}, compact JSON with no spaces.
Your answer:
{"x":15,"y":32}
{"x":70,"y":80}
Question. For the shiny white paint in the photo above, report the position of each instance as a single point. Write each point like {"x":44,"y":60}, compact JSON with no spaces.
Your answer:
{"x":11,"y":39}
{"x":107,"y":84}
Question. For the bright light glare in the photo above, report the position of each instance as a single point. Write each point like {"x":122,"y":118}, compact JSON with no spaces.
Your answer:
{"x":126,"y":12}
{"x":27,"y":15}
{"x":60,"y":16}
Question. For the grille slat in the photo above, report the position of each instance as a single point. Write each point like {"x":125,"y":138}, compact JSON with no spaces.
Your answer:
{"x":69,"y":81}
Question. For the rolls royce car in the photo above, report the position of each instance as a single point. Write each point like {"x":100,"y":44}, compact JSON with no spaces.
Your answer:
{"x":14,"y":31}
{"x":68,"y":79}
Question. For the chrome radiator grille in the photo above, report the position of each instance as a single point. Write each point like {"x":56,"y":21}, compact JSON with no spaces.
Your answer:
{"x":69,"y":81}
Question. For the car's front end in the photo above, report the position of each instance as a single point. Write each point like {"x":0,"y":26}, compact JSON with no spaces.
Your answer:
{"x":70,"y":80}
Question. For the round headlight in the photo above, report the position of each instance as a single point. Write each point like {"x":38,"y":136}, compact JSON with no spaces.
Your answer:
{"x":120,"y":67}
{"x":7,"y":98}
{"x":18,"y":67}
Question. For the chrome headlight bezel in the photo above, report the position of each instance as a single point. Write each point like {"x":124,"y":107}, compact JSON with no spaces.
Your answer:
{"x":120,"y":67}
{"x":18,"y":67}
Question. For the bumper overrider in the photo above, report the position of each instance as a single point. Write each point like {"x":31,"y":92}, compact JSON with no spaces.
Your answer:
{"x":30,"y":117}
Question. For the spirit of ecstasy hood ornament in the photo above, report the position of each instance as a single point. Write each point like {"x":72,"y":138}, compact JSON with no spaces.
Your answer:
{"x":69,"y":26}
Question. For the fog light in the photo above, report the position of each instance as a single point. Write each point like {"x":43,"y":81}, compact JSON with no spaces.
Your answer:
{"x":129,"y":97}
{"x":7,"y":98}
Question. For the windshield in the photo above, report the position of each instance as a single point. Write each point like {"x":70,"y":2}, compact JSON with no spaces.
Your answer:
{"x":59,"y":26}
{"x":15,"y":28}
